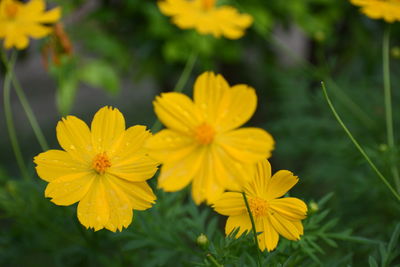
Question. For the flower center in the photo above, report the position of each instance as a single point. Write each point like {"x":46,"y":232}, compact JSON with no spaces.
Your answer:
{"x":258,"y":206}
{"x":11,"y":10}
{"x":204,"y":134}
{"x":101,"y":163}
{"x":208,"y":4}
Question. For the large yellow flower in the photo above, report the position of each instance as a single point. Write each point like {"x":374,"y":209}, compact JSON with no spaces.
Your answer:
{"x":273,"y":215}
{"x":389,"y":10}
{"x":19,"y":21}
{"x":206,"y":17}
{"x":105,"y":168}
{"x":202,"y":143}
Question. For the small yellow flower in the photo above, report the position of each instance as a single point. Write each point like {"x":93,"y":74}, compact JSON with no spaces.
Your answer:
{"x":104,"y":168}
{"x":206,"y":17}
{"x":202,"y":143}
{"x":389,"y":10}
{"x":19,"y":21}
{"x":273,"y":215}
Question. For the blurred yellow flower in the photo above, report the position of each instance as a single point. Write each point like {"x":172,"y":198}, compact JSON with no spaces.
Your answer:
{"x":206,"y":17}
{"x":202,"y":143}
{"x":389,"y":10}
{"x":19,"y":21}
{"x":105,"y":168}
{"x":273,"y":215}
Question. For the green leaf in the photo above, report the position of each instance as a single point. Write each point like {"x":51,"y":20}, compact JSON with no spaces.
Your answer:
{"x":372,"y":262}
{"x":100,"y":75}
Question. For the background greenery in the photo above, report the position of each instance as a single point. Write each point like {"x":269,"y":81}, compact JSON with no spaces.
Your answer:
{"x":118,"y":44}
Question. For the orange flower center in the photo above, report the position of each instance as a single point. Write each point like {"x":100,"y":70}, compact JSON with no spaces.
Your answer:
{"x":204,"y":134}
{"x":101,"y":163}
{"x":258,"y":207}
{"x":11,"y":10}
{"x":208,"y":4}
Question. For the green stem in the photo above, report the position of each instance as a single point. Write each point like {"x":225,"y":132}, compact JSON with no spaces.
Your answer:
{"x":360,"y":149}
{"x":180,"y":84}
{"x":388,"y":106}
{"x":27,"y":108}
{"x":9,"y":118}
{"x":253,"y":225}
{"x":213,"y":260}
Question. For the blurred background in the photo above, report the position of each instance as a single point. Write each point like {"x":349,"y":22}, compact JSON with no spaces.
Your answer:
{"x":123,"y":53}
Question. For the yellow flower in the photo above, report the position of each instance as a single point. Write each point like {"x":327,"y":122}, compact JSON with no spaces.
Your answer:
{"x":272,"y":215}
{"x":18,"y":21}
{"x":389,"y":10}
{"x":206,"y":17}
{"x":104,"y":168}
{"x":202,"y":143}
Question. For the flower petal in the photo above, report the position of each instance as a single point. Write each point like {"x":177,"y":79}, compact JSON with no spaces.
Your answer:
{"x":53,"y":164}
{"x":177,"y":112}
{"x":107,"y":127}
{"x":94,"y":209}
{"x":129,"y":143}
{"x":236,"y":107}
{"x":284,"y":227}
{"x":209,"y":89}
{"x":74,"y":137}
{"x":270,"y":237}
{"x":135,"y":169}
{"x":258,"y":186}
{"x":70,"y":189}
{"x":247,"y":145}
{"x":289,"y":207}
{"x":176,"y":175}
{"x":139,"y":193}
{"x":230,"y":204}
{"x":120,"y":207}
{"x":240,"y":221}
{"x":170,"y":146}
{"x":280,"y":183}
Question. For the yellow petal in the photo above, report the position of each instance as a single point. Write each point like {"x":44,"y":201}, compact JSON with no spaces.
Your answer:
{"x":177,"y":112}
{"x":230,"y":204}
{"x":236,"y":107}
{"x":240,"y":221}
{"x":284,"y":227}
{"x":139,"y":193}
{"x":247,"y":145}
{"x":170,"y":146}
{"x":70,"y":189}
{"x":176,"y":175}
{"x":232,"y":24}
{"x":280,"y":183}
{"x":120,"y":207}
{"x":74,"y":137}
{"x":209,"y":89}
{"x":129,"y":143}
{"x":107,"y":127}
{"x":50,"y":16}
{"x":136,"y":169}
{"x":53,"y":164}
{"x":94,"y":209}
{"x":37,"y":30}
{"x":289,"y":207}
{"x":258,"y":186}
{"x":270,"y":237}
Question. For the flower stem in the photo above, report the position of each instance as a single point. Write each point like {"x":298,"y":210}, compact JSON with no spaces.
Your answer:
{"x":180,"y":84}
{"x":27,"y":108}
{"x":213,"y":260}
{"x":388,"y":106}
{"x":357,"y":145}
{"x":253,"y":225}
{"x":9,"y":118}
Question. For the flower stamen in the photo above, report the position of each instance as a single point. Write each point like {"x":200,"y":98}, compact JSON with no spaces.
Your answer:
{"x":204,"y":134}
{"x":208,"y":4}
{"x":101,"y":163}
{"x":258,"y":206}
{"x":11,"y":10}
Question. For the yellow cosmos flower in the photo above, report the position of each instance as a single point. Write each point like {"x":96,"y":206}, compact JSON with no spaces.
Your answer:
{"x":104,"y":168}
{"x":389,"y":10}
{"x":202,"y":143}
{"x":18,"y":21}
{"x":273,"y":215}
{"x":206,"y":17}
